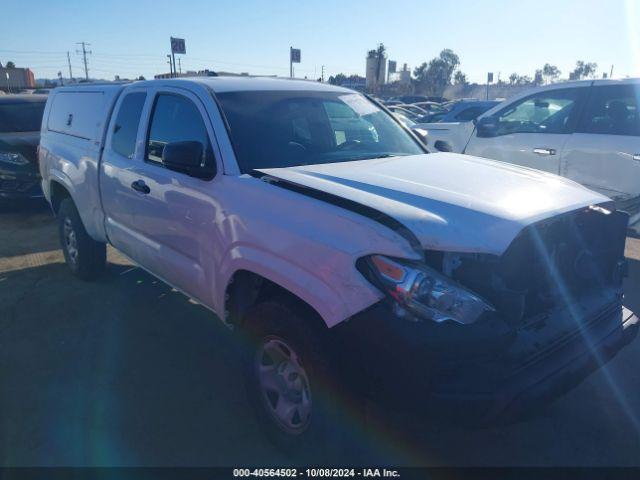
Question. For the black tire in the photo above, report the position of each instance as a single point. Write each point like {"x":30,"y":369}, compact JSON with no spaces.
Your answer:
{"x":85,"y":257}
{"x":322,"y":439}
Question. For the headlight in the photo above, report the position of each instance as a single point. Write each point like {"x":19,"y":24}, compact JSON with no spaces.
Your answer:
{"x":423,"y":293}
{"x":13,"y":158}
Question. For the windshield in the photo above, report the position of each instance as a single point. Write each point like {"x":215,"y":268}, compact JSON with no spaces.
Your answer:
{"x":273,"y":129}
{"x":21,"y":117}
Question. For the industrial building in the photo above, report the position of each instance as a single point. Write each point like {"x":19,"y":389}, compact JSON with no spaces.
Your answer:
{"x":16,"y":79}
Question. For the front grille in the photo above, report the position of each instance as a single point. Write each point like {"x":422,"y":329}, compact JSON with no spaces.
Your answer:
{"x":551,"y":264}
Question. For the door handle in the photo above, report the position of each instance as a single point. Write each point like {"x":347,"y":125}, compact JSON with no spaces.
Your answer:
{"x":140,"y":186}
{"x":544,"y":151}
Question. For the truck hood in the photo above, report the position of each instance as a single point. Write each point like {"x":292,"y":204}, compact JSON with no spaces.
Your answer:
{"x":450,"y":202}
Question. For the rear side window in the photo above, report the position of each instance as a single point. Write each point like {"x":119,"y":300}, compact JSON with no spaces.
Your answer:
{"x":612,"y":110}
{"x":176,"y":119}
{"x":21,"y":117}
{"x":125,"y":130}
{"x":77,"y":113}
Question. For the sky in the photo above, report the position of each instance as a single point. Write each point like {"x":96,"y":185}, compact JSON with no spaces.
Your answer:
{"x":131,"y":37}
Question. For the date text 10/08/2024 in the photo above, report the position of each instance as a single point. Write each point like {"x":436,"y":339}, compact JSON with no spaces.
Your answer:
{"x":316,"y":472}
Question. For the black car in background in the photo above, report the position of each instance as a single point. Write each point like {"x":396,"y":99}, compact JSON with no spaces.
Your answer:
{"x":20,"y":119}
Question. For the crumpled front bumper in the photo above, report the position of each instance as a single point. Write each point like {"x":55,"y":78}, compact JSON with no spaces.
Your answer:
{"x":482,"y":376}
{"x":491,"y":392}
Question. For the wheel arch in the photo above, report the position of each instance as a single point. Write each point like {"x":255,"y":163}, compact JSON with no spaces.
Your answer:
{"x":57,"y":193}
{"x":247,"y":288}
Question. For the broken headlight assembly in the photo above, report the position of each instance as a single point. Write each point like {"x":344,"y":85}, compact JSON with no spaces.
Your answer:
{"x":420,"y":292}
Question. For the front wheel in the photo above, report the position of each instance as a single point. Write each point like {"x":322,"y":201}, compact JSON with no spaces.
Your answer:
{"x":290,"y":383}
{"x":85,"y":257}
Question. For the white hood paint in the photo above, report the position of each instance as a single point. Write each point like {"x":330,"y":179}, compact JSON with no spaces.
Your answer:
{"x":451,"y":202}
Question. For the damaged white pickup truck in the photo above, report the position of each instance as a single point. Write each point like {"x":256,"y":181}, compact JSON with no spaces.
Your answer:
{"x":314,"y":224}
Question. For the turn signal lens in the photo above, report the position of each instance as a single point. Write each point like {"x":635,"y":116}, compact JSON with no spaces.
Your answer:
{"x":388,"y":268}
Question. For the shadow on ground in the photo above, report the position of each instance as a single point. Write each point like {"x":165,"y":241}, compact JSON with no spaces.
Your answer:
{"x":123,"y":371}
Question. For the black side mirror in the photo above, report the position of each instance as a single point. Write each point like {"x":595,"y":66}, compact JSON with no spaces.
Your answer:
{"x":487,"y":127}
{"x":443,"y":146}
{"x":186,"y":157}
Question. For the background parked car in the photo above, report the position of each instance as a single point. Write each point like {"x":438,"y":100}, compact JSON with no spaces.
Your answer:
{"x":416,"y":110}
{"x":412,"y":98}
{"x":406,"y":121}
{"x":430,"y":107}
{"x":459,"y":111}
{"x":401,"y":109}
{"x":20,"y":119}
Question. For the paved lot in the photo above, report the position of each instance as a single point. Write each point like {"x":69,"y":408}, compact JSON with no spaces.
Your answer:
{"x":126,"y":371}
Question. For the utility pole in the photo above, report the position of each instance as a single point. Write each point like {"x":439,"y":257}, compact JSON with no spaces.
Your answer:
{"x":611,"y":72}
{"x":84,"y":57}
{"x":290,"y":62}
{"x":170,"y":62}
{"x":173,"y":58}
{"x":180,"y":65}
{"x":322,"y":76}
{"x":69,"y":63}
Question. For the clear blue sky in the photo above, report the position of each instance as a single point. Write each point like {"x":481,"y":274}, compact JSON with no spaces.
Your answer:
{"x":131,"y":38}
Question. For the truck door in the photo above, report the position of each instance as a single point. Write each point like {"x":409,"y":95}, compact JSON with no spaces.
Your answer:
{"x":604,"y":153}
{"x":530,"y":131}
{"x":121,"y":155}
{"x":176,"y":215}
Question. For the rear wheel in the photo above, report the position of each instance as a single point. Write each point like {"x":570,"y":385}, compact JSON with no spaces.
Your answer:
{"x":85,"y":257}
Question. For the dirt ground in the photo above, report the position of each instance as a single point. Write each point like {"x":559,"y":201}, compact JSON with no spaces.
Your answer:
{"x":125,"y":371}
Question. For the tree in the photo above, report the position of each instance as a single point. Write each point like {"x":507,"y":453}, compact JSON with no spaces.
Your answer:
{"x":513,"y":78}
{"x":141,"y":78}
{"x":10,"y":64}
{"x":524,"y":80}
{"x":460,"y":78}
{"x":550,"y":73}
{"x":436,"y":75}
{"x":337,"y":79}
{"x":583,"y":70}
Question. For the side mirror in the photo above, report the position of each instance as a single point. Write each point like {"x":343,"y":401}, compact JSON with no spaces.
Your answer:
{"x":487,"y":127}
{"x":443,"y":146}
{"x":185,"y":157}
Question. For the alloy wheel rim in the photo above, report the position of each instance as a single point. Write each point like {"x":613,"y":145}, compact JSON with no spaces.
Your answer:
{"x":70,"y":240}
{"x":284,"y":385}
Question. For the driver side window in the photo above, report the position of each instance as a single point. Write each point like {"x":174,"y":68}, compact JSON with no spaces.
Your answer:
{"x":545,"y":112}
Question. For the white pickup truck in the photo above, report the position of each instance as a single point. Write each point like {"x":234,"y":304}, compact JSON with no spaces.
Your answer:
{"x":588,"y":131}
{"x":346,"y":258}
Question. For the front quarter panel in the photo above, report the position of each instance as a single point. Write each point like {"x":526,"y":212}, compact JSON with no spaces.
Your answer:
{"x":302,"y":244}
